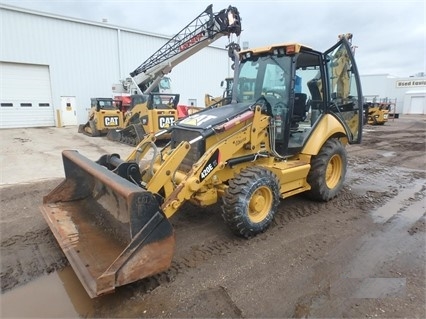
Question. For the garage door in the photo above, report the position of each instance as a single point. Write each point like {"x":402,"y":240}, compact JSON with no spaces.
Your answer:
{"x":417,"y":105}
{"x":25,"y":98}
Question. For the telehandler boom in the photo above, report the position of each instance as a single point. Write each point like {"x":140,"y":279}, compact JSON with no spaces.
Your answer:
{"x":292,"y":113}
{"x":159,"y":112}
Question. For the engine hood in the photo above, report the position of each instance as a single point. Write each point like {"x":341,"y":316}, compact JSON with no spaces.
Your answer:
{"x":211,"y":117}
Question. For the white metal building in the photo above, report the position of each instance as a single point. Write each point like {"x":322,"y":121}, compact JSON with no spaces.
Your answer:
{"x":50,"y":66}
{"x":408,"y":93}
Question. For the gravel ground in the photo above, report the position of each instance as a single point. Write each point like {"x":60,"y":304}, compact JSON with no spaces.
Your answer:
{"x":361,"y":255}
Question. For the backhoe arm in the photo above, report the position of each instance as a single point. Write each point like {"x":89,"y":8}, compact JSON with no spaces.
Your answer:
{"x":340,"y":70}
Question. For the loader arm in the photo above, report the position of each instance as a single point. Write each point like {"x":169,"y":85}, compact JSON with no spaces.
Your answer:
{"x":242,"y":132}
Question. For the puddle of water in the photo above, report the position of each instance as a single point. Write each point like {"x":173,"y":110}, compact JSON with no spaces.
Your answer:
{"x":58,"y":295}
{"x":369,"y":288}
{"x":392,"y":240}
{"x":392,"y":207}
{"x":388,"y":154}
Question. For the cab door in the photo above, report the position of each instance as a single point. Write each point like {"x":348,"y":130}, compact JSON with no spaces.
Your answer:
{"x":344,"y":88}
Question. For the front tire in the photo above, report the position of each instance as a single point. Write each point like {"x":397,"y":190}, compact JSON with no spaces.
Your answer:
{"x":328,"y":171}
{"x":250,"y":202}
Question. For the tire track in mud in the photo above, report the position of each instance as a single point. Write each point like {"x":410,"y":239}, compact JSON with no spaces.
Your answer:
{"x":290,"y":210}
{"x":405,"y":141}
{"x":25,"y":257}
{"x":376,"y":175}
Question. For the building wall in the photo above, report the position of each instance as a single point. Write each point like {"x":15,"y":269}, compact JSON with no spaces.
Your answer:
{"x":86,"y":58}
{"x":403,"y":90}
{"x":412,"y":91}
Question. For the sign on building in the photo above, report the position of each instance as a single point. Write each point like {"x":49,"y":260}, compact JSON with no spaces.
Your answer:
{"x":410,"y":83}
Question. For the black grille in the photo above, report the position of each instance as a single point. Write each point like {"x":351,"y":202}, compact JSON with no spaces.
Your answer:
{"x":196,"y":151}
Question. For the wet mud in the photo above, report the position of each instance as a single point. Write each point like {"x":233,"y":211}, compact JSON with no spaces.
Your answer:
{"x":359,"y":255}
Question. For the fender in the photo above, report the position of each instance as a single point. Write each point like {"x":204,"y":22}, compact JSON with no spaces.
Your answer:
{"x":328,"y":126}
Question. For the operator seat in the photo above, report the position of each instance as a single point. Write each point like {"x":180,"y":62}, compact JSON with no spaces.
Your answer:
{"x":299,"y":109}
{"x":315,"y":86}
{"x":314,"y":89}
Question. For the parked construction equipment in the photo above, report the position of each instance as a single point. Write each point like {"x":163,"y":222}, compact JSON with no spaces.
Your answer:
{"x":376,"y":113}
{"x":225,"y":98}
{"x":104,"y":114}
{"x":111,"y":217}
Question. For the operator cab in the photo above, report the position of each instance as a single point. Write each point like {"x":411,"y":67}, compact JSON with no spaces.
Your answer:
{"x":103,"y":104}
{"x":159,"y":101}
{"x":297,"y":85}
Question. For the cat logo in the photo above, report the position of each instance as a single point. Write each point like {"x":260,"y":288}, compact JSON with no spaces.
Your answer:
{"x":166,"y":121}
{"x":111,"y":120}
{"x":190,"y":121}
{"x":197,"y":119}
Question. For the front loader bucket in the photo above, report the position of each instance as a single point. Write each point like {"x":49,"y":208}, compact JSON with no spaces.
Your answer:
{"x":112,"y":231}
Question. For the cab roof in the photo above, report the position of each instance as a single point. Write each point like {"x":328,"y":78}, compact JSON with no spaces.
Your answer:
{"x":295,"y":47}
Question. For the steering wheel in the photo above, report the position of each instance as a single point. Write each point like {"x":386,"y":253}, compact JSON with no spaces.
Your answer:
{"x":278,"y":108}
{"x":274,"y":97}
{"x":278,"y":94}
{"x":265,"y":105}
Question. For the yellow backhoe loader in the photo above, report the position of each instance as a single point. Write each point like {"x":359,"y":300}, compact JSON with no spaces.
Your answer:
{"x":274,"y":140}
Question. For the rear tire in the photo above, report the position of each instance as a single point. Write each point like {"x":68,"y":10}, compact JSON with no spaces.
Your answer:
{"x":250,"y":202}
{"x":328,"y":171}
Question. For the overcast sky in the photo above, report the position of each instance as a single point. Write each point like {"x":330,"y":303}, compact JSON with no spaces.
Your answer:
{"x":390,"y":35}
